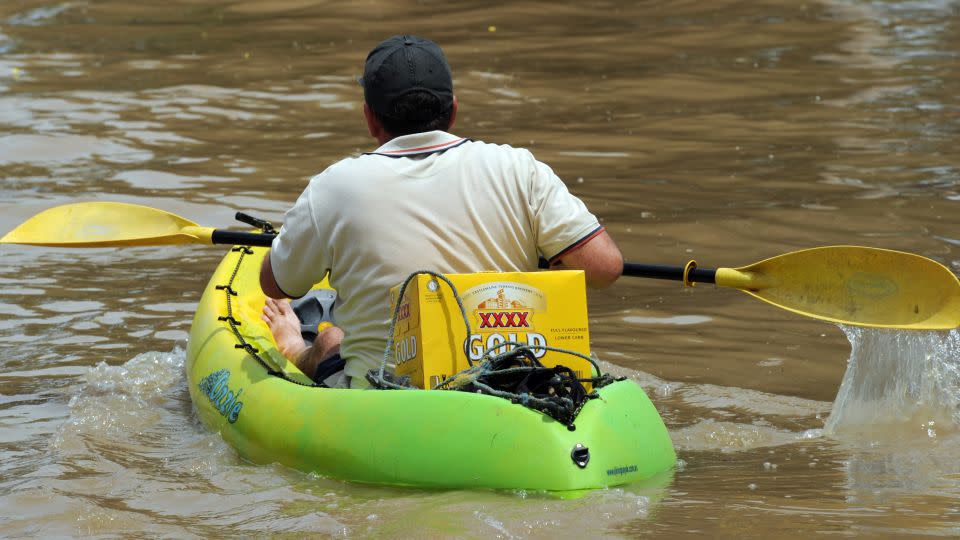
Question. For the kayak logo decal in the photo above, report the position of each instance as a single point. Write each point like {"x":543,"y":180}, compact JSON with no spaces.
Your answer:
{"x":617,"y":471}
{"x":216,"y":387}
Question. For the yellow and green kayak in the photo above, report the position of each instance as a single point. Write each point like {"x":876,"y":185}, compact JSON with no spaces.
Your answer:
{"x":269,"y":411}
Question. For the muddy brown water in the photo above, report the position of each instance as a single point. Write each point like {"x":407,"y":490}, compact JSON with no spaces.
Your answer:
{"x":724,"y":132}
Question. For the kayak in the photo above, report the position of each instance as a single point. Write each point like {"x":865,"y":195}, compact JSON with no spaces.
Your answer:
{"x":270,"y":412}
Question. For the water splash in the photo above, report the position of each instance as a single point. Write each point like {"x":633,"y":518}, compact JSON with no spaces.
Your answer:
{"x":898,"y":379}
{"x":128,"y":406}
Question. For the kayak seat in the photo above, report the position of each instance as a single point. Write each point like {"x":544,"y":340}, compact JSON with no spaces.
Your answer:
{"x":312,"y":309}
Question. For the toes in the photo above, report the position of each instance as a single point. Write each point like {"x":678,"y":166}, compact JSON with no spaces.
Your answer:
{"x":275,"y":305}
{"x":284,"y":311}
{"x":283,"y":307}
{"x":280,"y":317}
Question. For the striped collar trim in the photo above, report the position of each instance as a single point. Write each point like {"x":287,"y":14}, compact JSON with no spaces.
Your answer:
{"x":419,"y":144}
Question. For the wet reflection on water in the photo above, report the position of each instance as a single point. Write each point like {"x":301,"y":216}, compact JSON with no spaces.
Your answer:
{"x":722,"y":132}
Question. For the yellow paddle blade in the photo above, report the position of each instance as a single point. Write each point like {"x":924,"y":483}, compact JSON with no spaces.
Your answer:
{"x":106,"y":224}
{"x":855,"y":285}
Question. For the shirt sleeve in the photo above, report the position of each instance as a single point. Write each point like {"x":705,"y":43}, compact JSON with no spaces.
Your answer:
{"x":298,"y":256}
{"x":560,"y":219}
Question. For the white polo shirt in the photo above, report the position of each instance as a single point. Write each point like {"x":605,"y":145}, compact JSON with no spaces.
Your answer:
{"x":428,"y":201}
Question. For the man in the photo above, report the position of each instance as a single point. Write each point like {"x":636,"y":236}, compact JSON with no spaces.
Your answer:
{"x":424,"y":200}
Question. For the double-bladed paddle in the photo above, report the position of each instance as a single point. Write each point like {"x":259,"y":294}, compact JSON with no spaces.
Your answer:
{"x":854,"y":285}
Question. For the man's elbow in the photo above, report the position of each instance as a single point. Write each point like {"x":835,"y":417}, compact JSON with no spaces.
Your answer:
{"x":606,"y":272}
{"x":268,"y":283}
{"x":599,"y":258}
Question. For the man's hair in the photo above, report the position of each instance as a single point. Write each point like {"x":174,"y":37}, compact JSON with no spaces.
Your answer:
{"x":415,"y":112}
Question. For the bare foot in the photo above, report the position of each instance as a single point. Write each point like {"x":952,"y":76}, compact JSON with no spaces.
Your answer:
{"x":285,"y":325}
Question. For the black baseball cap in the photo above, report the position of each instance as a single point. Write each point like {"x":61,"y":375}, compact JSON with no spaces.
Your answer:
{"x":403,"y":64}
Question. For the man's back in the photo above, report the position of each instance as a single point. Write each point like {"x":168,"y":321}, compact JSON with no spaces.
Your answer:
{"x":429,"y":201}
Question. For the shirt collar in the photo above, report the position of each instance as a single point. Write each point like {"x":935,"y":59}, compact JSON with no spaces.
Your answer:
{"x":419,"y":144}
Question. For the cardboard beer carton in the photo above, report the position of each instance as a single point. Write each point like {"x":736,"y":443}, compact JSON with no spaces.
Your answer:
{"x":535,"y":308}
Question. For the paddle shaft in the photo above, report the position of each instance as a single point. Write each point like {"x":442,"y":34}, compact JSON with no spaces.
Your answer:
{"x":675,"y":273}
{"x":221,"y":236}
{"x":656,"y":271}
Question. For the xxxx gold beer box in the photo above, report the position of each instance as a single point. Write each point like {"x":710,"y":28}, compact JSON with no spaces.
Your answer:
{"x":531,"y":308}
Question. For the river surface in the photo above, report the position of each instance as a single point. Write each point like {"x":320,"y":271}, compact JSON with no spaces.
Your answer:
{"x":725,"y":132}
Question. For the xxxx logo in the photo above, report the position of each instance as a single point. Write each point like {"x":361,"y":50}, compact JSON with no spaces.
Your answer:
{"x":504,"y":319}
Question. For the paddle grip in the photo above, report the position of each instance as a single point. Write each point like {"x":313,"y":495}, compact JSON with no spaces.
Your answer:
{"x":237,"y":238}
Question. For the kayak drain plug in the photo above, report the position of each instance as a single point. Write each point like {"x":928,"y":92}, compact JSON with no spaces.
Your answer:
{"x":580,"y":455}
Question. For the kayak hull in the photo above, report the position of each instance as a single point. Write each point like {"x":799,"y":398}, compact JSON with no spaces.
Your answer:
{"x":424,"y":438}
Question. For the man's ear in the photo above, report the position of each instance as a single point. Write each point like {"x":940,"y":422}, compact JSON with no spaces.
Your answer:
{"x":453,"y":113}
{"x":374,"y":127}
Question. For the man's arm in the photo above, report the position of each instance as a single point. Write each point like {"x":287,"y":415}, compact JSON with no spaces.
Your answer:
{"x":268,"y":282}
{"x":599,"y":258}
